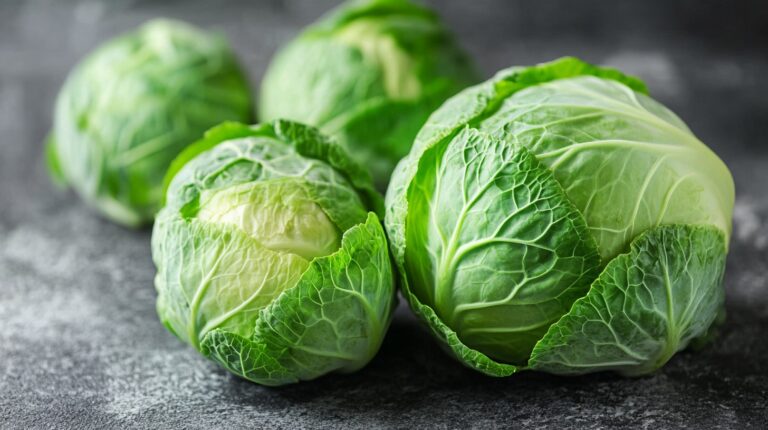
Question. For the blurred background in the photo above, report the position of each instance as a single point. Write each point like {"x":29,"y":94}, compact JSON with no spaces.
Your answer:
{"x":79,"y":339}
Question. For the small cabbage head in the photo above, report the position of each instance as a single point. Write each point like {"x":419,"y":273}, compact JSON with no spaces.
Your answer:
{"x":557,"y":218}
{"x":271,"y":260}
{"x":369,"y":74}
{"x":133,"y":105}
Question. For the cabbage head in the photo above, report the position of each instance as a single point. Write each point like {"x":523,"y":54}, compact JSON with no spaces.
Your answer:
{"x":369,"y":74}
{"x":557,"y":218}
{"x":130,"y":107}
{"x":271,"y":259}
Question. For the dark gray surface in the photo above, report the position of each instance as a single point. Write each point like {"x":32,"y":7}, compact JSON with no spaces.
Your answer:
{"x":80,"y":345}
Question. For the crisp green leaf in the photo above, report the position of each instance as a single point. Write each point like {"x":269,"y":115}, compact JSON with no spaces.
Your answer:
{"x":645,"y":306}
{"x":212,"y":276}
{"x":494,"y":246}
{"x":450,"y":341}
{"x":333,"y":320}
{"x":624,"y":160}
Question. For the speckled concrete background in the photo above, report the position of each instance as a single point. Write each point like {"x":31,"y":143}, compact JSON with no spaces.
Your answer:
{"x":80,"y":346}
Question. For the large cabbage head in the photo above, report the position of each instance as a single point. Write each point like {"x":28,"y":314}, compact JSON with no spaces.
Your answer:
{"x":369,"y":73}
{"x":129,"y":108}
{"x":271,"y":260}
{"x":558,"y":218}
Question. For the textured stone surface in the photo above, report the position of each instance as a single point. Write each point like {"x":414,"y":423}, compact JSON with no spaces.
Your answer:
{"x":80,"y":345}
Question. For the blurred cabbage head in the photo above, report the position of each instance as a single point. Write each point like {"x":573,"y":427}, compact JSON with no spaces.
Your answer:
{"x":131,"y":106}
{"x":558,"y":218}
{"x":369,"y":73}
{"x":270,"y":254}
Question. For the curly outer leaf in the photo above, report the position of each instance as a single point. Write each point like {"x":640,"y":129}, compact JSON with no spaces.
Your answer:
{"x":645,"y":306}
{"x":450,"y":341}
{"x":499,"y":252}
{"x":334,"y":319}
